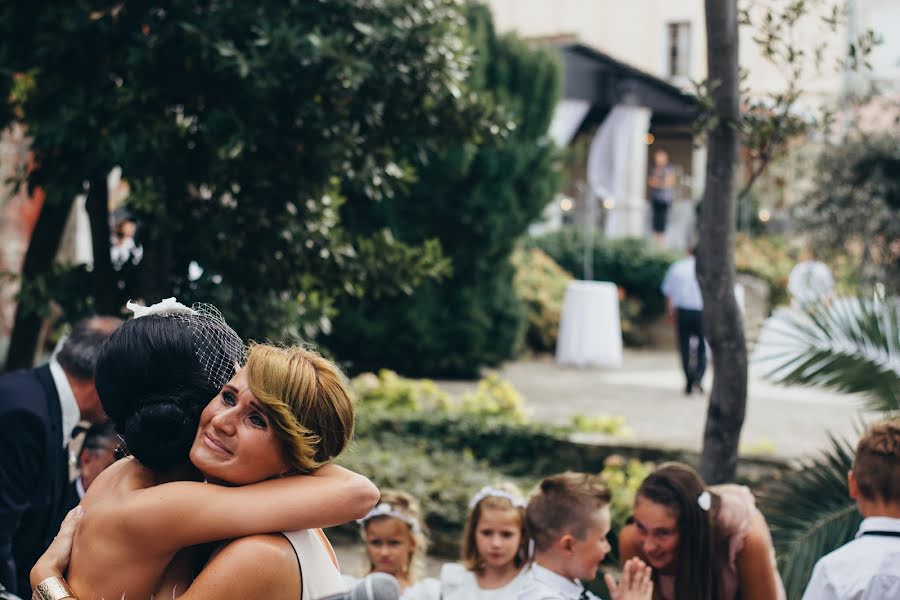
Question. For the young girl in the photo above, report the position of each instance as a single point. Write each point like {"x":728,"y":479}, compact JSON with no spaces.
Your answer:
{"x":494,"y":548}
{"x":396,"y":544}
{"x":703,"y":543}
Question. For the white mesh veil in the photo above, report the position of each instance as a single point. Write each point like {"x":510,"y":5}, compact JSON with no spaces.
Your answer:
{"x":217,"y":347}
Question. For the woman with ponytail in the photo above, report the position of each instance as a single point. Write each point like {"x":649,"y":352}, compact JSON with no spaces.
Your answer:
{"x":703,"y":543}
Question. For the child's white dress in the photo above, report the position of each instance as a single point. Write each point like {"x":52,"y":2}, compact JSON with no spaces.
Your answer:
{"x":459,"y":583}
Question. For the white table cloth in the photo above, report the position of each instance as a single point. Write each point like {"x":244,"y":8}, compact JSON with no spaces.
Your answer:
{"x":590,"y":333}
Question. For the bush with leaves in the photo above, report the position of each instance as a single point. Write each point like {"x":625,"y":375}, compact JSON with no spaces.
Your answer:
{"x":243,"y":130}
{"x":632,"y":264}
{"x":540,"y":284}
{"x":855,"y":202}
{"x":478,"y":200}
{"x":852,"y":345}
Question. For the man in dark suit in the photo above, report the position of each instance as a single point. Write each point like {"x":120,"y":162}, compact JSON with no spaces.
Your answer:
{"x":39,"y":409}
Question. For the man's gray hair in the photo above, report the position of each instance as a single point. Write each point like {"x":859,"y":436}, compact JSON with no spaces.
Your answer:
{"x":78,"y":354}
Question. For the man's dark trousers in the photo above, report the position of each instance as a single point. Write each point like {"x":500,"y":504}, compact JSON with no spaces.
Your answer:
{"x":33,"y":473}
{"x":693,"y":360}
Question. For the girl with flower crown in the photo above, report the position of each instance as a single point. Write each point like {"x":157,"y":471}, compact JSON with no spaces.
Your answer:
{"x":395,"y":543}
{"x":703,"y":543}
{"x":216,"y":455}
{"x":494,"y":548}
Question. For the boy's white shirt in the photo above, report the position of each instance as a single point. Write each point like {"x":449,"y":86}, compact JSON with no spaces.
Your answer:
{"x":543,"y":584}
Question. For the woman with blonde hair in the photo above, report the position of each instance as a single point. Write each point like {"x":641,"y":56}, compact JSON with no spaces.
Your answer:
{"x":396,"y":544}
{"x":288,"y":412}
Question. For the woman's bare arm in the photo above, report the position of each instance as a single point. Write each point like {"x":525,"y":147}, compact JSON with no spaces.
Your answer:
{"x":174,"y":515}
{"x":756,"y":571}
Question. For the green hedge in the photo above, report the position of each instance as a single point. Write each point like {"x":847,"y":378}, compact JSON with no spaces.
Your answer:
{"x":632,"y":264}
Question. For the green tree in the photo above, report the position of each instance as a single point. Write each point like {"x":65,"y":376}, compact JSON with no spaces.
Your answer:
{"x":242,"y":128}
{"x":763,"y":127}
{"x":477,"y":200}
{"x":855,"y":203}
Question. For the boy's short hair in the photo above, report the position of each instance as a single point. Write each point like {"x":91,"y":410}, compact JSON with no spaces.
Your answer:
{"x":564,"y":504}
{"x":876,"y":466}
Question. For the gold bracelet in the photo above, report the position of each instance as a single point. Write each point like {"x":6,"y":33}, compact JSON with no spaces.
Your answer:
{"x":52,"y":588}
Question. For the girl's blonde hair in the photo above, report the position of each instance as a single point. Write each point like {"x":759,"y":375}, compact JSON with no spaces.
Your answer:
{"x":308,"y":400}
{"x":404,"y":504}
{"x":471,"y":559}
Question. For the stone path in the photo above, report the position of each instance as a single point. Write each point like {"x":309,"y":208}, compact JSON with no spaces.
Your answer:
{"x":647,"y":391}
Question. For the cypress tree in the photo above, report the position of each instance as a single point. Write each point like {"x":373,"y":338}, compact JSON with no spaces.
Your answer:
{"x":477,"y":200}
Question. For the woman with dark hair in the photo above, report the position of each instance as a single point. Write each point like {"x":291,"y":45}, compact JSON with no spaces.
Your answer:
{"x":704,"y":543}
{"x":159,"y":378}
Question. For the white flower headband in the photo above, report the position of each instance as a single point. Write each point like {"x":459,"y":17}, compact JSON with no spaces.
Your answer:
{"x":218,"y":347}
{"x":383,"y":509}
{"x":169,"y":306}
{"x":492,"y":492}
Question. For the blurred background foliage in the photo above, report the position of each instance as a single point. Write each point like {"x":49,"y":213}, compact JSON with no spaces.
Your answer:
{"x":478,"y":200}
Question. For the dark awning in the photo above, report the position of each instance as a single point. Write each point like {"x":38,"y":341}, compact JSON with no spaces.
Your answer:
{"x":604,"y":82}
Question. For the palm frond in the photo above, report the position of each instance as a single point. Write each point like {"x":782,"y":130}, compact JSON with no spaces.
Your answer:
{"x":852,"y":345}
{"x":810,"y":513}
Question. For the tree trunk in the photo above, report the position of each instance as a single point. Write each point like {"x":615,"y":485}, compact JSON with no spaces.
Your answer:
{"x":104,"y":285}
{"x":715,"y":251}
{"x":39,"y":257}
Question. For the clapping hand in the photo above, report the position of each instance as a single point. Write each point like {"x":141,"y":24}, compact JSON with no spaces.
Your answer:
{"x":636,"y":582}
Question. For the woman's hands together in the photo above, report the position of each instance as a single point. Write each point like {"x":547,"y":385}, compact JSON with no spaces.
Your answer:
{"x":636,"y":582}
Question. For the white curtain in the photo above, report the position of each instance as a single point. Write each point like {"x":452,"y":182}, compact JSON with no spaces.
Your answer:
{"x":617,"y":169}
{"x":567,"y":118}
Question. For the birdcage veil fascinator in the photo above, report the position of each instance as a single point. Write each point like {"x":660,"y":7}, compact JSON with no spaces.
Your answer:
{"x":217,"y":346}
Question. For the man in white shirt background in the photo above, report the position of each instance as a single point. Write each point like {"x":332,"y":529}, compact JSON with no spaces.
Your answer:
{"x":868,"y":568}
{"x":684,"y":305}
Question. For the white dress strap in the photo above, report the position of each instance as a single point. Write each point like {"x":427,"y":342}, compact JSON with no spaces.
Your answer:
{"x":319,"y":575}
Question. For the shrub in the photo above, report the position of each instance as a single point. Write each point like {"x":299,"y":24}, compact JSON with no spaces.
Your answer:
{"x":767,"y":257}
{"x":632,"y":264}
{"x":477,"y":200}
{"x":607,"y":424}
{"x":540,"y":285}
{"x":494,"y":397}
{"x":389,"y":391}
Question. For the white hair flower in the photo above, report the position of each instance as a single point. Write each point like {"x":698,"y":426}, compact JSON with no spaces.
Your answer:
{"x":169,"y":306}
{"x":704,"y":500}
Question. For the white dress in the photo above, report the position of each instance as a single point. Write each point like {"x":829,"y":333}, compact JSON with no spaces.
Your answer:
{"x":459,"y":583}
{"x":319,"y":575}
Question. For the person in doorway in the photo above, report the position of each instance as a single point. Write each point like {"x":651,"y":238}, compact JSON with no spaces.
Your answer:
{"x":684,"y":305}
{"x":661,"y":182}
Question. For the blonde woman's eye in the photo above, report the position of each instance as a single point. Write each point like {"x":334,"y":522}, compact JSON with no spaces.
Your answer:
{"x":228,"y":398}
{"x":258,"y":420}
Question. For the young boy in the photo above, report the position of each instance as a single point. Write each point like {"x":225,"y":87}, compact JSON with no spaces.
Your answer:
{"x":568,"y":520}
{"x":869,"y":566}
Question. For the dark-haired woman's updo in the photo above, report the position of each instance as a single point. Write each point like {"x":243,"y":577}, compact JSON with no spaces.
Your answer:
{"x":153,"y":384}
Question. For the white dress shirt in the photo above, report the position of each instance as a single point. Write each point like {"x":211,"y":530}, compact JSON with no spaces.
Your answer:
{"x":70,"y":413}
{"x":868,"y":568}
{"x":680,"y":285}
{"x":543,"y":584}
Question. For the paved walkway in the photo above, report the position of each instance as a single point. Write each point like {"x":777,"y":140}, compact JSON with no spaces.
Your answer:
{"x":647,"y":391}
